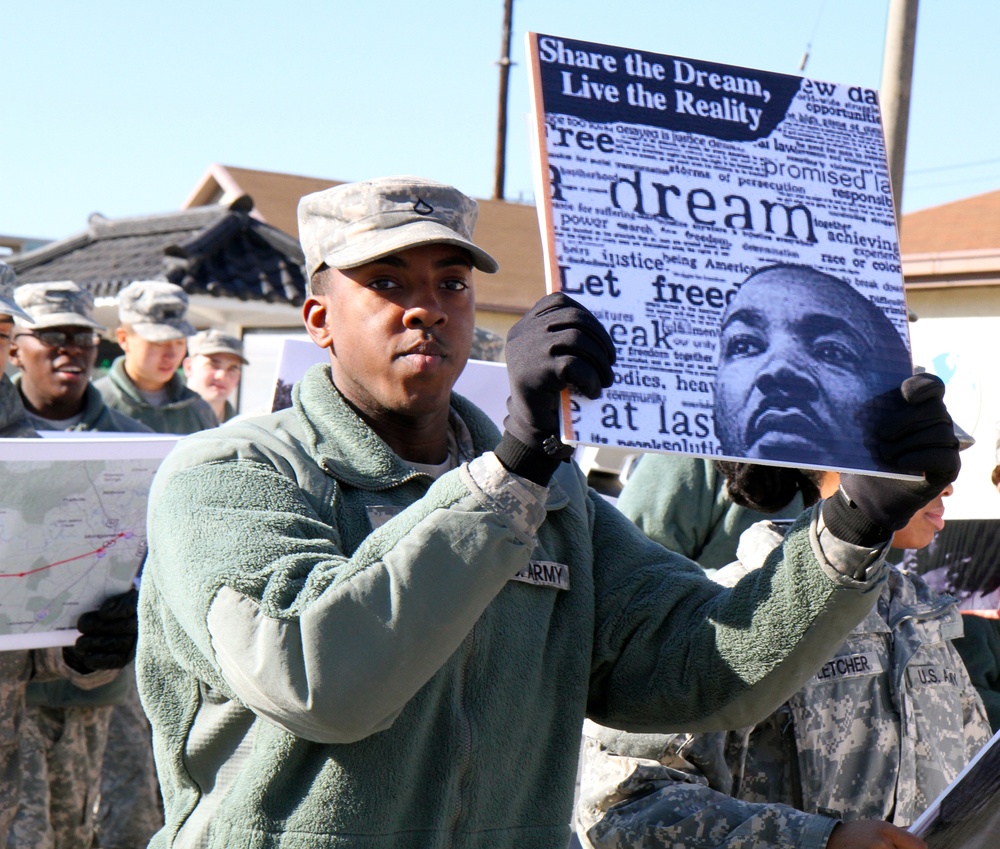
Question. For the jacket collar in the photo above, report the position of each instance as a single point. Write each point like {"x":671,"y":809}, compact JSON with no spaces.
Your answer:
{"x":347,"y":448}
{"x":93,"y":406}
{"x":178,"y":395}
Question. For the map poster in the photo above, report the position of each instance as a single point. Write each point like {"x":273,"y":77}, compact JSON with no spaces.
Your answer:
{"x":72,"y":529}
{"x":734,"y":232}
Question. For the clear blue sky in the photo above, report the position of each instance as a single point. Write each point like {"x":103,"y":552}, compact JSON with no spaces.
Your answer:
{"x":119,"y":107}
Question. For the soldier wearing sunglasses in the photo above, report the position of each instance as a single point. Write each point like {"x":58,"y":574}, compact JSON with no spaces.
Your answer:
{"x":54,"y":766}
{"x":56,"y":355}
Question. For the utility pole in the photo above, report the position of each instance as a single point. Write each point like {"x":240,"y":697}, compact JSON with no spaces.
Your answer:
{"x":897,"y":76}
{"x":501,"y":163}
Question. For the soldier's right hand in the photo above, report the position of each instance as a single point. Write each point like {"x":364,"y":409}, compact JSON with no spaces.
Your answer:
{"x":872,"y":834}
{"x":557,"y":344}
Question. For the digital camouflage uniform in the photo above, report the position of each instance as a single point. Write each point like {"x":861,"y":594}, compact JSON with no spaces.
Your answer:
{"x":114,"y":736}
{"x":184,"y":412}
{"x":877,"y":733}
{"x":486,"y":345}
{"x":15,"y":666}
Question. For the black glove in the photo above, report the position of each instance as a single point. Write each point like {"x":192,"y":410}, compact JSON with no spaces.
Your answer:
{"x":107,"y":635}
{"x":555,"y":345}
{"x":914,"y":434}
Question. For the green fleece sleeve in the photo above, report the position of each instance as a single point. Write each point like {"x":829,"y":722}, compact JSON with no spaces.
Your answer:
{"x":330,"y":647}
{"x":674,"y":651}
{"x":681,"y":502}
{"x":677,"y":501}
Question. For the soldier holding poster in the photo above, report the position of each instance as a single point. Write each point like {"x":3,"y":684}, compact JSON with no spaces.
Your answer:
{"x":372,"y":619}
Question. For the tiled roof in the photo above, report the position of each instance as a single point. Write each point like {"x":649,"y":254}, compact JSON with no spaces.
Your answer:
{"x":214,"y":250}
{"x":271,"y":193}
{"x":970,"y":224}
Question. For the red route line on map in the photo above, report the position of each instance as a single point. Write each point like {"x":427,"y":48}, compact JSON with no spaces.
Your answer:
{"x":100,"y":550}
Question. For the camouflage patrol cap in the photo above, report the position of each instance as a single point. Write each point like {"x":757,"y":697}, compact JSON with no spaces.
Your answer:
{"x":61,"y":303}
{"x":155,"y":310}
{"x":355,"y":223}
{"x":8,"y":306}
{"x":212,"y":341}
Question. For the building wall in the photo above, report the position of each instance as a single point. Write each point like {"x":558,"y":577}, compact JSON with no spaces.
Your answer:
{"x":956,"y":337}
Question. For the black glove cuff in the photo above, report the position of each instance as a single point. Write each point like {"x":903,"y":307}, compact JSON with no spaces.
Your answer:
{"x":74,"y":661}
{"x":846,"y":521}
{"x":521,"y":460}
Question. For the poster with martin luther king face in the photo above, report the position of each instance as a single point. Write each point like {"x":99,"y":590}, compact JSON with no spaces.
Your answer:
{"x":733,"y":230}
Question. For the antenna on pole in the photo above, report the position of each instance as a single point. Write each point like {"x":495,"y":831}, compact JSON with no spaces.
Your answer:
{"x":809,"y":44}
{"x":505,"y":63}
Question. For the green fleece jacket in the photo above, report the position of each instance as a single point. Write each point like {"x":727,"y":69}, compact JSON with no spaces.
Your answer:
{"x":682,"y":503}
{"x":185,"y":411}
{"x":312,"y":682}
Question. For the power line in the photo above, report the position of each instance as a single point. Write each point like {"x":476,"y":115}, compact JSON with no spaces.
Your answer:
{"x":954,"y":167}
{"x":981,"y":180}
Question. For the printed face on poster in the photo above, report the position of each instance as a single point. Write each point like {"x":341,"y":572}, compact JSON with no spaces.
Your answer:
{"x":734,"y":232}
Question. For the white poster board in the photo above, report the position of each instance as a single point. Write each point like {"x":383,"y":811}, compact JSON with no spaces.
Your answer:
{"x":72,"y":529}
{"x":961,"y":350}
{"x":734,"y":232}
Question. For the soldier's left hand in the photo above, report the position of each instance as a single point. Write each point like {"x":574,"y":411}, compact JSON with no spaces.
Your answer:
{"x":915,"y":434}
{"x":107,"y":635}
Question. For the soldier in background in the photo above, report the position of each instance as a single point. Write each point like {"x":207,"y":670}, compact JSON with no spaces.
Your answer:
{"x":371,"y":618}
{"x":15,"y":666}
{"x":874,"y":736}
{"x":213,"y":367}
{"x":56,"y":355}
{"x":144,"y":383}
{"x":63,"y":813}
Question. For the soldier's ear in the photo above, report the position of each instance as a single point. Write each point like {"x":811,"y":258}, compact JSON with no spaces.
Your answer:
{"x":315,"y":313}
{"x":14,"y":352}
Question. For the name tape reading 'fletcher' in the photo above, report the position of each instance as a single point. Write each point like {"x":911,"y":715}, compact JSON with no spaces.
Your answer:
{"x":544,"y":573}
{"x":850,"y":666}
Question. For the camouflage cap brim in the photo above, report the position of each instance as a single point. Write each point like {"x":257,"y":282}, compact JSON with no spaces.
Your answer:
{"x":355,"y":223}
{"x":9,"y":307}
{"x":209,"y":350}
{"x":375,"y":244}
{"x":163,"y":332}
{"x":62,"y":319}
